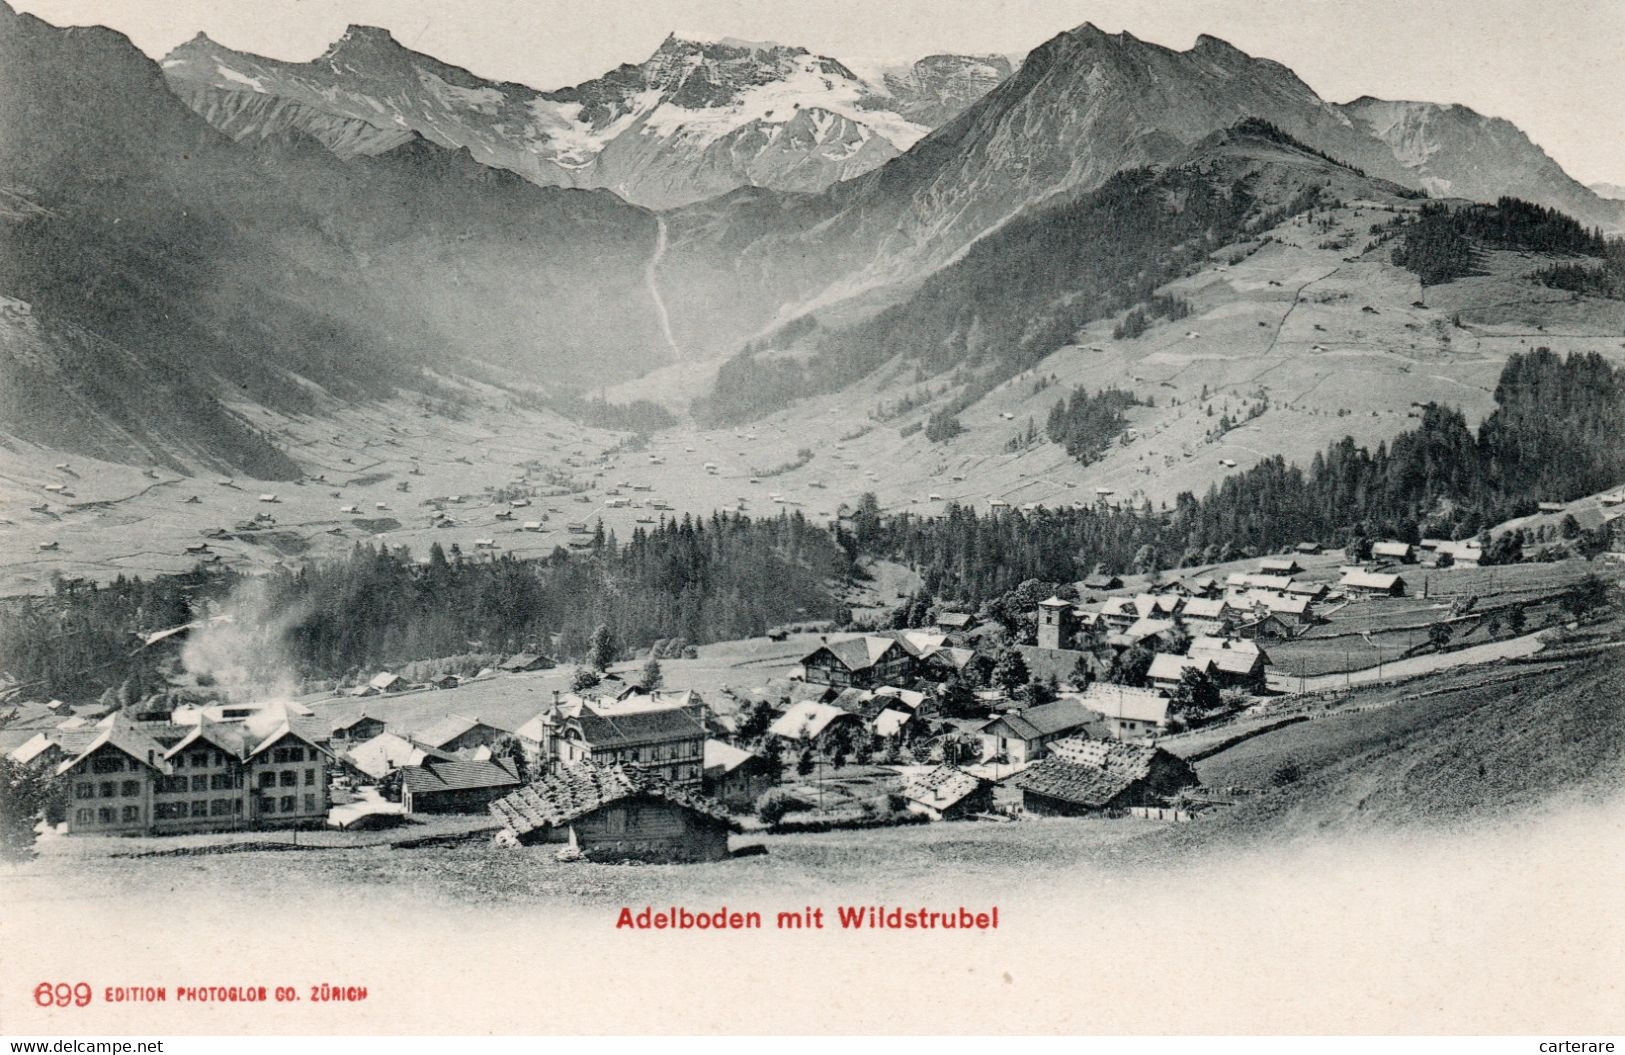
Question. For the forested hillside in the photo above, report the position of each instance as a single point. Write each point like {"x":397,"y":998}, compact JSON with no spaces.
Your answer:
{"x":1023,"y":291}
{"x":1558,"y":433}
{"x":698,"y":580}
{"x":1441,"y":242}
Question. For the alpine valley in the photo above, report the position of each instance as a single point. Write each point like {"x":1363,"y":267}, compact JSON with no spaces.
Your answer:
{"x":376,"y":272}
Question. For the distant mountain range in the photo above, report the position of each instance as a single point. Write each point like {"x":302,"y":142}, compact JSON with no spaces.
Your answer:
{"x":1611,"y":191}
{"x":1083,"y":106}
{"x":696,"y":119}
{"x":243,"y":230}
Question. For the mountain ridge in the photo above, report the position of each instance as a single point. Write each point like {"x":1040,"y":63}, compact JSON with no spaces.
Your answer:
{"x":694,"y":119}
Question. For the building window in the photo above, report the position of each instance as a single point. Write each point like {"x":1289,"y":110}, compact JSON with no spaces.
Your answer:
{"x":83,"y":816}
{"x":201,"y":761}
{"x":108,"y":789}
{"x":236,"y":805}
{"x":180,"y":761}
{"x":310,"y":778}
{"x":219,"y":781}
{"x":288,"y":804}
{"x":131,"y":814}
{"x":289,"y":778}
{"x":267,"y":804}
{"x":267,"y":780}
{"x":310,"y":803}
{"x":220,"y":808}
{"x":105,"y":815}
{"x":200,"y":783}
{"x":84,"y":791}
{"x":106,"y":764}
{"x":130,"y":787}
{"x":200,"y":808}
{"x":296,"y":754}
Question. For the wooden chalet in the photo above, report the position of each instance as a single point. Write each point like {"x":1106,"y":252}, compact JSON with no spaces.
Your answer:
{"x":616,"y":813}
{"x":865,"y":662}
{"x":438,"y":786}
{"x":733,"y":776}
{"x":948,"y":793}
{"x":1081,"y":777}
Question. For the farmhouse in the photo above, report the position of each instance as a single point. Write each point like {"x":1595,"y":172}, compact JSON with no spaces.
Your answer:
{"x":525,"y":661}
{"x":1357,"y":583}
{"x":359,"y":729}
{"x":866,"y":662}
{"x":1403,"y":552}
{"x":948,"y":793}
{"x":955,"y":622}
{"x":50,"y":748}
{"x":1203,"y":615}
{"x":895,"y":698}
{"x":1119,"y":613}
{"x":1242,"y":583}
{"x":895,"y":724}
{"x":733,"y":776}
{"x":616,"y":813}
{"x":818,"y":723}
{"x":1279,"y":566}
{"x":376,"y":758}
{"x":380,"y":683}
{"x":1102,"y":581}
{"x":668,"y":743}
{"x":455,"y":787}
{"x":1290,"y":609}
{"x":1090,"y":776}
{"x":1238,"y":664}
{"x":459,"y":734}
{"x":944,"y":663}
{"x":1263,"y":626}
{"x":1167,"y":670}
{"x":1128,"y":712}
{"x":1022,"y":736}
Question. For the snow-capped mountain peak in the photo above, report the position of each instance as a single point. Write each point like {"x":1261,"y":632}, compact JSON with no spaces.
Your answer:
{"x":700,"y":116}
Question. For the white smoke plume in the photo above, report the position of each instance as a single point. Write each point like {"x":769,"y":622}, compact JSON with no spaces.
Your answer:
{"x":243,"y":647}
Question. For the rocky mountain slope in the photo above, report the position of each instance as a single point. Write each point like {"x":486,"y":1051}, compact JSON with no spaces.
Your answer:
{"x":1455,"y":152}
{"x":171,"y":269}
{"x":1083,"y":106}
{"x":697,"y":118}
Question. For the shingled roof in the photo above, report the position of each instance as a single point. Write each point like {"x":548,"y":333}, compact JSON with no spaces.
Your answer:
{"x":579,"y":790}
{"x":608,"y":728}
{"x":942,"y":787}
{"x":859,"y":653}
{"x":1070,"y":782}
{"x":434,"y":775}
{"x":1088,"y":772}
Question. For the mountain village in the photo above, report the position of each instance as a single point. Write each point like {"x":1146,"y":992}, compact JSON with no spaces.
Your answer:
{"x":1092,"y":704}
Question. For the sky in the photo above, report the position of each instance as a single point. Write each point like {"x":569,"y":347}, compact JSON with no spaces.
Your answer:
{"x":1556,"y":68}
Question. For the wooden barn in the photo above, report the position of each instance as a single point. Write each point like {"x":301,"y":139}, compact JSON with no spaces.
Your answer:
{"x":948,"y":793}
{"x":436,"y":786}
{"x":617,"y":813}
{"x":735,"y":777}
{"x":1090,"y":776}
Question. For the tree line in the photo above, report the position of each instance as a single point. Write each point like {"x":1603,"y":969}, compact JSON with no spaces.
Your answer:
{"x":1556,"y":434}
{"x":698,"y":579}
